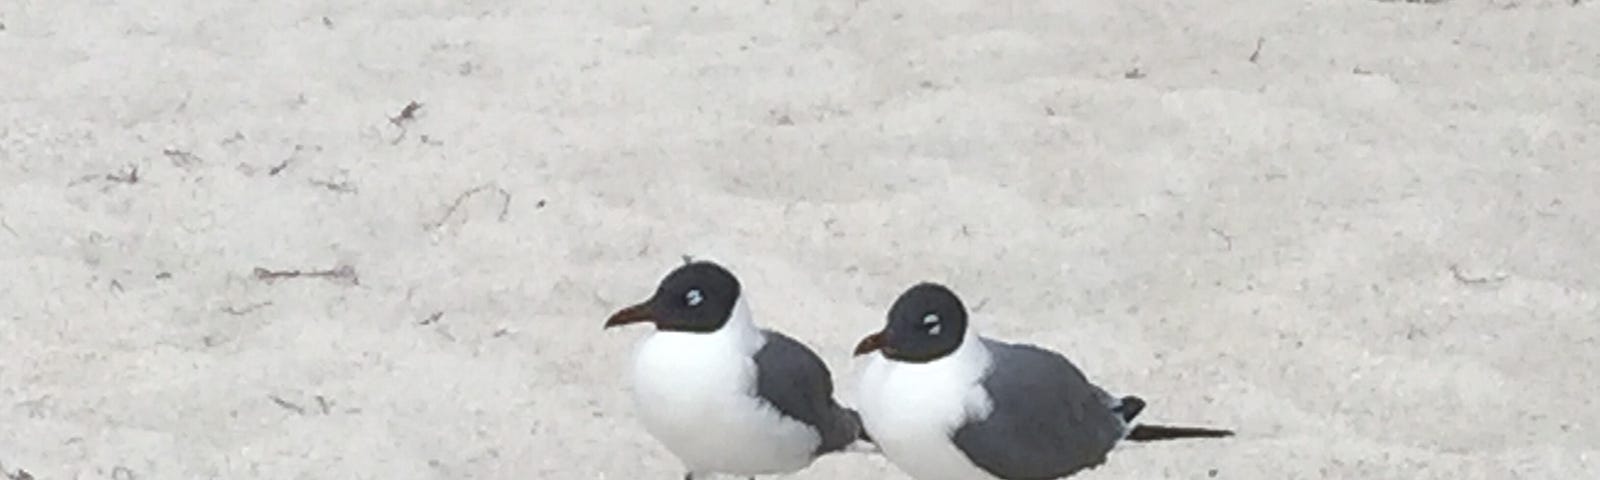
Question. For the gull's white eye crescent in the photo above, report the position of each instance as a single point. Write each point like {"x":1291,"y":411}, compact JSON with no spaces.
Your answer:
{"x":693,"y":298}
{"x":932,"y":322}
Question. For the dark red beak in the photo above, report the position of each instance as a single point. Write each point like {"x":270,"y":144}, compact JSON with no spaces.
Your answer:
{"x":871,"y":343}
{"x":634,"y":314}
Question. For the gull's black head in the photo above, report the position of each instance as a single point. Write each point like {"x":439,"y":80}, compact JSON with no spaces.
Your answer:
{"x":696,"y":297}
{"x":926,"y":323}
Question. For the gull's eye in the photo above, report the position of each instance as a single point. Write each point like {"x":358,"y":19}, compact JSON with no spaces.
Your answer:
{"x":693,"y":298}
{"x":931,"y":322}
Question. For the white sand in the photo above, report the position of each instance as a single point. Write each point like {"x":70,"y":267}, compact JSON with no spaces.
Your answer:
{"x":1267,"y":246}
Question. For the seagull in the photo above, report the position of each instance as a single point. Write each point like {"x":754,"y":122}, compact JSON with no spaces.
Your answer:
{"x":943,"y":402}
{"x":724,"y":396}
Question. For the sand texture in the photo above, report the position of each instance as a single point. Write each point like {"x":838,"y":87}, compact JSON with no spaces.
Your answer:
{"x":1364,"y":234}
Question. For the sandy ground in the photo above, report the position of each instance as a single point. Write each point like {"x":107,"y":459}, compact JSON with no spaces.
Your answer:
{"x":1361,"y":233}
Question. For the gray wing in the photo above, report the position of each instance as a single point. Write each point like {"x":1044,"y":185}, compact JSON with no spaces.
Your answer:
{"x":1048,"y":421}
{"x":795,"y":381}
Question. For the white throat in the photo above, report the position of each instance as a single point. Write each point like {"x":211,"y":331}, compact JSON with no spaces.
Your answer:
{"x":694,"y":393}
{"x":912,"y":409}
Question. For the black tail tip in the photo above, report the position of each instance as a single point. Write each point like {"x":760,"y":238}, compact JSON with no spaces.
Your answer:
{"x":1150,"y":433}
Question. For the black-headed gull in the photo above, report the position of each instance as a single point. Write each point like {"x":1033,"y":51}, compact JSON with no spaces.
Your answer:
{"x":723,"y":395}
{"x":943,"y":402}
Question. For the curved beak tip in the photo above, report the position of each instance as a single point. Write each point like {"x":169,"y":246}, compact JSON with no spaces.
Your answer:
{"x":869,"y":344}
{"x":633,"y":314}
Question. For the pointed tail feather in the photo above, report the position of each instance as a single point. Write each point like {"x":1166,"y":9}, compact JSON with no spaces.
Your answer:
{"x":1151,"y":433}
{"x":1130,"y":406}
{"x":862,"y":443}
{"x":861,"y":428}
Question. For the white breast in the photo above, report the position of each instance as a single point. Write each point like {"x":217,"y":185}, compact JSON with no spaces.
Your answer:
{"x":910,"y":410}
{"x":695,"y":392}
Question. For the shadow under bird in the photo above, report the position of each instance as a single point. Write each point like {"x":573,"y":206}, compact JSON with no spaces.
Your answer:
{"x":943,"y":402}
{"x":724,"y":396}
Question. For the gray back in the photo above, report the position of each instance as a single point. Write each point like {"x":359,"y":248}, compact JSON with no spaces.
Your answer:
{"x":795,"y":381}
{"x":1048,"y":420}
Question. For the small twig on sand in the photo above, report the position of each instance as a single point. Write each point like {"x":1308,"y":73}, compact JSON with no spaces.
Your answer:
{"x":245,"y":310}
{"x":431,"y":319}
{"x":287,"y":405}
{"x":291,"y":159}
{"x":8,"y":228}
{"x":1226,"y":239}
{"x":407,"y":114}
{"x":343,"y":272}
{"x":324,"y":405}
{"x":129,"y":175}
{"x":180,"y":158}
{"x":1256,"y":54}
{"x":336,"y":187}
{"x":276,"y":169}
{"x":1455,"y":271}
{"x":505,"y":204}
